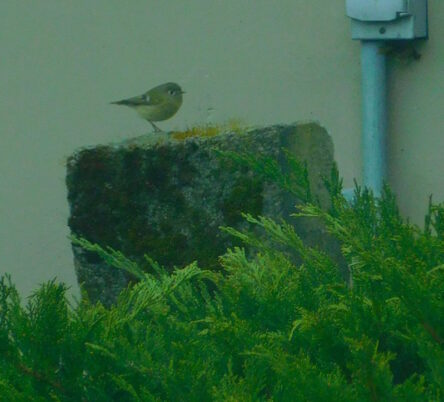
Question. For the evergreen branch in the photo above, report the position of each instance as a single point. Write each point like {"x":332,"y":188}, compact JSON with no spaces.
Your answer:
{"x":432,"y":332}
{"x":112,"y":257}
{"x":40,"y":377}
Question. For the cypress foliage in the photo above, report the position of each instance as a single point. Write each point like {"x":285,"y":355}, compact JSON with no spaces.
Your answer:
{"x":263,"y":329}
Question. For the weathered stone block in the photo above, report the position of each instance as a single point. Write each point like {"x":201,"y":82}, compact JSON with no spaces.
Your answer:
{"x":168,"y":199}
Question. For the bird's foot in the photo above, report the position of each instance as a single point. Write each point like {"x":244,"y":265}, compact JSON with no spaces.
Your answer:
{"x":156,"y":129}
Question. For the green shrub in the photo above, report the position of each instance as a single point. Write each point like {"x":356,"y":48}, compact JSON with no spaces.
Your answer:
{"x":264,"y":329}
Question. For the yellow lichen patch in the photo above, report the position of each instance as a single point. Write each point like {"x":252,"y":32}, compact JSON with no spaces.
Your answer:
{"x":210,"y":130}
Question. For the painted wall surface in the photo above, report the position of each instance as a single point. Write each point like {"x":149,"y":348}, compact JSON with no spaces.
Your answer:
{"x":261,"y":61}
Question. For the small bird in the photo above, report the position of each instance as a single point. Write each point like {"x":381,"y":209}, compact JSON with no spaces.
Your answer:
{"x":157,"y":104}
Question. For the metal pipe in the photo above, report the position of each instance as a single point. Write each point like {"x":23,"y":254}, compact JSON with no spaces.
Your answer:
{"x":374,"y":115}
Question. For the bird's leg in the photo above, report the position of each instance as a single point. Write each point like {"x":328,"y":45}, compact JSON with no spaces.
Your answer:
{"x":156,"y":129}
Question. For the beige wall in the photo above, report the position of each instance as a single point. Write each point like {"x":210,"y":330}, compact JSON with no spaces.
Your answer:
{"x":262,"y":61}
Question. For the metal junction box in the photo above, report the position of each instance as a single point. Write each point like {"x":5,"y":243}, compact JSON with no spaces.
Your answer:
{"x":387,"y":19}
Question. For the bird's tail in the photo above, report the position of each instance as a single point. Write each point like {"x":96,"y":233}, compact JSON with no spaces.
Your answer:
{"x":121,"y":102}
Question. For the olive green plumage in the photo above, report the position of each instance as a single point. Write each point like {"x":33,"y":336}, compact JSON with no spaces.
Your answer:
{"x":158,"y":104}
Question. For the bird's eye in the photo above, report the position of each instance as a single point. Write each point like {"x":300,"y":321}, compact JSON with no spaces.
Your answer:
{"x":172,"y":92}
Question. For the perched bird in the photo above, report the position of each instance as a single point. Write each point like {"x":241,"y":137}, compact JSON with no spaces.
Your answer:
{"x":157,"y":104}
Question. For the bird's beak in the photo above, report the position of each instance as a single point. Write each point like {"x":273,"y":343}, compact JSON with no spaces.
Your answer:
{"x":182,"y":92}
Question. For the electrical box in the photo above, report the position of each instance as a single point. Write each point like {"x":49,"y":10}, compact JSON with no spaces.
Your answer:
{"x":387,"y":19}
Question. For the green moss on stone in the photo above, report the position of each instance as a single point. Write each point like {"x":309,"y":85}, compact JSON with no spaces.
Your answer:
{"x":245,"y":196}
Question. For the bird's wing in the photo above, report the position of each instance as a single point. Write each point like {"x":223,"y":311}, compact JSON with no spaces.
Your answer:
{"x":140,"y":100}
